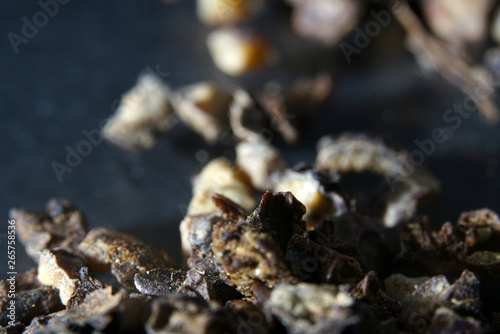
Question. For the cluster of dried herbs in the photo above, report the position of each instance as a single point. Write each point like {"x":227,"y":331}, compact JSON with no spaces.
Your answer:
{"x":453,"y":38}
{"x":303,"y":260}
{"x":151,"y":108}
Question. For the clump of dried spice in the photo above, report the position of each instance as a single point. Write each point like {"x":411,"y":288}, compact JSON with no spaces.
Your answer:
{"x":302,"y":260}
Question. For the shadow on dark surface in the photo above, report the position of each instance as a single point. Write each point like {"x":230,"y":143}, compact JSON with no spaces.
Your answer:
{"x":68,"y":77}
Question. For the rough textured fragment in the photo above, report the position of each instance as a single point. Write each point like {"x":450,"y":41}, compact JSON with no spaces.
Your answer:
{"x":179,"y":313}
{"x":219,"y":177}
{"x":326,"y":20}
{"x":101,"y":311}
{"x":246,"y":257}
{"x":448,"y":322}
{"x":280,"y":216}
{"x":311,"y":308}
{"x":159,"y":282}
{"x":319,"y":192}
{"x":86,"y":285}
{"x":248,"y":121}
{"x":401,"y":288}
{"x":62,"y":226}
{"x":461,"y":297}
{"x":236,"y":52}
{"x":143,"y":115}
{"x":472,"y":243}
{"x":260,"y":161}
{"x":124,"y":254}
{"x":360,"y":153}
{"x":32,"y":299}
{"x":293,"y":109}
{"x":204,"y":107}
{"x":60,"y":269}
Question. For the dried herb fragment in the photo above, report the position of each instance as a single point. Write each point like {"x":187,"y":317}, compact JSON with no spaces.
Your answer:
{"x":247,"y":120}
{"x":219,"y":177}
{"x":261,"y":161}
{"x":144,"y":114}
{"x":236,"y":52}
{"x":359,"y":153}
{"x":318,"y":191}
{"x":32,"y":299}
{"x":180,"y":313}
{"x":325,"y":20}
{"x":62,"y":226}
{"x":60,"y":269}
{"x":294,"y":108}
{"x":311,"y":308}
{"x":124,"y":254}
{"x":472,"y":243}
{"x":246,"y":257}
{"x":204,"y":108}
{"x":433,"y":55}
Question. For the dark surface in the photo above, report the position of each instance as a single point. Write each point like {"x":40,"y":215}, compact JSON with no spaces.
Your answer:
{"x":68,"y":77}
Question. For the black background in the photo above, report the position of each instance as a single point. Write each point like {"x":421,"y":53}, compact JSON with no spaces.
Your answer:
{"x":68,"y":77}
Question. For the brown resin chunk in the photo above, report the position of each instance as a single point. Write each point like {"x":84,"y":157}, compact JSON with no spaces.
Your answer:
{"x":61,"y":226}
{"x":32,"y":299}
{"x":124,"y":254}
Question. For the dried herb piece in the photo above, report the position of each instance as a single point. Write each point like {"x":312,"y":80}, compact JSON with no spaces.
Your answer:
{"x":261,"y":161}
{"x":461,"y":297}
{"x":292,"y":109}
{"x":432,"y":54}
{"x":86,"y":285}
{"x":204,"y":107}
{"x":318,"y":191}
{"x":446,"y":321}
{"x":248,"y":121}
{"x":246,"y":257}
{"x":312,"y":308}
{"x":32,"y":299}
{"x":360,"y":153}
{"x":196,"y":233}
{"x":219,"y":177}
{"x":124,"y":254}
{"x":236,"y":52}
{"x":280,"y":216}
{"x":446,"y":21}
{"x":209,"y":287}
{"x":60,"y":269}
{"x":325,"y":20}
{"x":62,"y":226}
{"x":401,"y":288}
{"x":180,"y":313}
{"x":472,"y":243}
{"x":217,"y":12}
{"x":101,"y":311}
{"x":159,"y":282}
{"x":144,"y":115}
